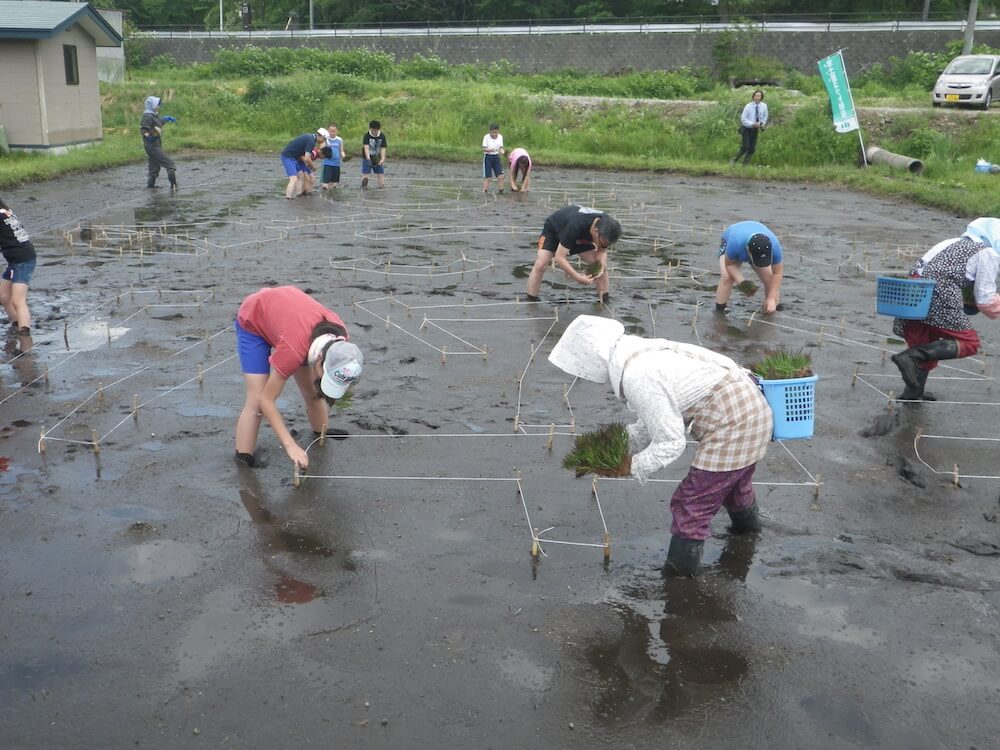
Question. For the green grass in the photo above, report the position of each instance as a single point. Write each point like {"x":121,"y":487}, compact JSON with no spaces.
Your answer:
{"x":602,"y":451}
{"x":782,"y":364}
{"x":441,"y":114}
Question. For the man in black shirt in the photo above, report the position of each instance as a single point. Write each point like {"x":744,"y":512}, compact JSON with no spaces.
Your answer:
{"x":151,"y":127}
{"x":575,"y":230}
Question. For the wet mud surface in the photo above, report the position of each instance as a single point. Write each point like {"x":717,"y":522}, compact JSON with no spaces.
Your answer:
{"x":157,"y":595}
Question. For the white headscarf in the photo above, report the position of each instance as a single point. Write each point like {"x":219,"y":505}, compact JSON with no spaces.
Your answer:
{"x":985,"y":230}
{"x":585,"y":348}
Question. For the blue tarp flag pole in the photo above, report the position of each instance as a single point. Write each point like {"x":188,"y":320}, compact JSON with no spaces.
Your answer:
{"x":834,"y":75}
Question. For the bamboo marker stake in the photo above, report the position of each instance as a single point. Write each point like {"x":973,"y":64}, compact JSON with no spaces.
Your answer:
{"x":135,"y":407}
{"x":93,"y":441}
{"x":387,"y":322}
{"x":552,"y":435}
{"x":572,"y":424}
{"x":424,"y":324}
{"x":883,"y":357}
{"x":444,"y":354}
{"x":201,"y":376}
{"x":517,"y":421}
{"x":892,"y":400}
{"x":534,"y":542}
{"x":46,"y":374}
{"x":100,"y":393}
{"x":322,"y":435}
{"x":841,"y":326}
{"x":607,"y":547}
{"x":108,"y":326}
{"x":819,"y":337}
{"x":517,"y":301}
{"x":66,"y":333}
{"x":296,"y":477}
{"x":593,"y":485}
{"x":955,"y":476}
{"x":41,"y":441}
{"x":816,"y":487}
{"x":854,"y":376}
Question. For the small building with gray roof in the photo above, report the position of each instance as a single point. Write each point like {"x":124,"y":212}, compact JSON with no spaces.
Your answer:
{"x":49,"y":100}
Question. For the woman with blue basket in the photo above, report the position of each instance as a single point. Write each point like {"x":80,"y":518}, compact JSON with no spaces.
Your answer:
{"x":675,"y":387}
{"x":964,"y":270}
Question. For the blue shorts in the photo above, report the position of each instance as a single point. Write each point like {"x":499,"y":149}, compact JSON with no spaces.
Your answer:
{"x":293,"y":166}
{"x":367,"y":168}
{"x":492,"y":166}
{"x":19,"y":273}
{"x":253,"y":351}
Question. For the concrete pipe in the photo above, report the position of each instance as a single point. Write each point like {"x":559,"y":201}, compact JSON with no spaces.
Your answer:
{"x":878,"y":155}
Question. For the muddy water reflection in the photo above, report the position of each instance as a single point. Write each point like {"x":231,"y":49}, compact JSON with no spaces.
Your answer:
{"x":277,"y":535}
{"x":669,"y":662}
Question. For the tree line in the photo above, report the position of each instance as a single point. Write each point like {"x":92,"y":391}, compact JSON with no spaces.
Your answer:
{"x":281,"y":13}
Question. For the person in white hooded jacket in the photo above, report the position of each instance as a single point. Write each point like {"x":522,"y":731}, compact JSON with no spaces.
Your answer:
{"x":675,"y":387}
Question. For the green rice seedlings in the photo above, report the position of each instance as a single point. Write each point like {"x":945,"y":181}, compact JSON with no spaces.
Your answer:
{"x":595,"y":269}
{"x":603,"y":451}
{"x":747,"y":288}
{"x":783,"y":364}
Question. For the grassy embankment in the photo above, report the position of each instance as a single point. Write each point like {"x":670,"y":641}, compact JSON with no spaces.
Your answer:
{"x":255,"y":102}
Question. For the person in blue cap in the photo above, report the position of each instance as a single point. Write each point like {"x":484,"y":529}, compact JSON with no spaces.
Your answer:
{"x":749,"y":242}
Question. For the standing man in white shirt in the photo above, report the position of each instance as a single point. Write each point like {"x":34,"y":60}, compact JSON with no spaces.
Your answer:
{"x":752,"y":121}
{"x":492,"y":151}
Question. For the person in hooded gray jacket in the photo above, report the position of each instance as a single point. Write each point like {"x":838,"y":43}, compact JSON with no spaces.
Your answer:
{"x":151,"y":127}
{"x":675,"y":387}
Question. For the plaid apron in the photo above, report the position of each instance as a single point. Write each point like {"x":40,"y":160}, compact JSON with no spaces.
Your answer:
{"x":733,"y":425}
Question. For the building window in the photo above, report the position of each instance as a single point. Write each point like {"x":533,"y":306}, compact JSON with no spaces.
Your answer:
{"x":72,"y":69}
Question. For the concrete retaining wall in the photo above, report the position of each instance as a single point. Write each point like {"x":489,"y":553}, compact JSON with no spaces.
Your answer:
{"x":603,"y":53}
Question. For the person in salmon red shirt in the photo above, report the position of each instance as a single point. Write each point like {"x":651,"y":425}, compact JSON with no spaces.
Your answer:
{"x":575,"y":230}
{"x":282,"y":332}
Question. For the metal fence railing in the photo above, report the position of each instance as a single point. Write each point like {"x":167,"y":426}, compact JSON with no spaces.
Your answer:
{"x":641,"y":25}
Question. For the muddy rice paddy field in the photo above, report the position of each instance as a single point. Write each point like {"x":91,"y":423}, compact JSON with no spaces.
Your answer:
{"x":154,"y":594}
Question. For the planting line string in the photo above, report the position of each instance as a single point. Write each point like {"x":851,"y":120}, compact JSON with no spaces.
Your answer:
{"x":524,"y":373}
{"x":796,"y":460}
{"x":895,"y":376}
{"x":928,"y":403}
{"x":412,"y":335}
{"x":132,"y":375}
{"x":600,"y":510}
{"x":51,"y":337}
{"x":131,"y":414}
{"x":410,"y":479}
{"x":678,"y":481}
{"x":916,"y":451}
{"x":479,"y":350}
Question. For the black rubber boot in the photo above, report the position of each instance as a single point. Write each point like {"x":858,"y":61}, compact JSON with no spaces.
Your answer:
{"x":914,"y":377}
{"x":683,"y":557}
{"x":746,"y":521}
{"x":532,"y":298}
{"x":721,"y":309}
{"x":917,"y":394}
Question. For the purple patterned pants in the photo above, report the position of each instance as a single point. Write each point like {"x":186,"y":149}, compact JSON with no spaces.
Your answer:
{"x":698,"y":498}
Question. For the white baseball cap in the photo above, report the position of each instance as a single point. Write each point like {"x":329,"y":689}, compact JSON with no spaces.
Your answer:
{"x":323,"y":132}
{"x":341,"y":367}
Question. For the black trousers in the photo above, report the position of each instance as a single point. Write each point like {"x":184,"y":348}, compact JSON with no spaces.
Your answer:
{"x":157,"y":159}
{"x":748,"y":144}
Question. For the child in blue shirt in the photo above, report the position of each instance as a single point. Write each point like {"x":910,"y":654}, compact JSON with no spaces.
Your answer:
{"x":331,"y":165}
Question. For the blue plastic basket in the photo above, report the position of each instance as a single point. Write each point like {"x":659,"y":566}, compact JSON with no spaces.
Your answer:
{"x":793,"y":403}
{"x":909,"y":299}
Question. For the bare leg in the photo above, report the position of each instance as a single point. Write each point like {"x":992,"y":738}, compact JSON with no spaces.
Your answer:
{"x":5,"y":300}
{"x":316,"y":409}
{"x":542,"y":262}
{"x":290,"y":188}
{"x":248,"y":424}
{"x":729,"y":276}
{"x":19,"y":304}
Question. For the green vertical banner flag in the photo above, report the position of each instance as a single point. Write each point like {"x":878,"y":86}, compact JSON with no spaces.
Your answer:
{"x":832,"y":71}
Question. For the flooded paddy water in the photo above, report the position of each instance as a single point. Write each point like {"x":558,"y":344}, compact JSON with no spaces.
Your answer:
{"x":153,"y":593}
